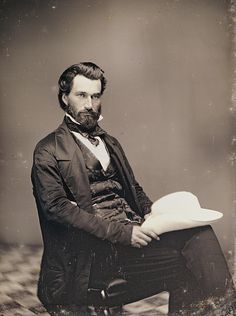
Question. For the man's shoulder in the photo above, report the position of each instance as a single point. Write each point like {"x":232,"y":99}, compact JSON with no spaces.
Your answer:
{"x":48,"y":143}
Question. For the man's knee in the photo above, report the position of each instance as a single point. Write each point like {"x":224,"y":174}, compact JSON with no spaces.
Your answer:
{"x":200,"y":239}
{"x":205,"y":259}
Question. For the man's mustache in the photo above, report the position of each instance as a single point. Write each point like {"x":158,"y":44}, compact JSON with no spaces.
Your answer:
{"x":88,"y":112}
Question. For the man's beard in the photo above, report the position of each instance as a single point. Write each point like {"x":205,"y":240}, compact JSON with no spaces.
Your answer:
{"x":86,"y":118}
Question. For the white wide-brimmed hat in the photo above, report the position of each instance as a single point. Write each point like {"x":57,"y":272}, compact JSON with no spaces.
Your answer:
{"x":179,"y":210}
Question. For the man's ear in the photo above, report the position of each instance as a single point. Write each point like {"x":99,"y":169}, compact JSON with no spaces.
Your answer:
{"x":65,"y":98}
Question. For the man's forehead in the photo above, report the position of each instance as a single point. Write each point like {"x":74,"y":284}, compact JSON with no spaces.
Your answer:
{"x":82,"y":83}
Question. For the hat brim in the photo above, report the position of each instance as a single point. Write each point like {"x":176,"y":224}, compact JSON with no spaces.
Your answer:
{"x":205,"y":215}
{"x":197,"y":214}
{"x":171,"y":221}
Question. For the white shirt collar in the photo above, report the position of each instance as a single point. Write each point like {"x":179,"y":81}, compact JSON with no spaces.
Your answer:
{"x":99,"y":151}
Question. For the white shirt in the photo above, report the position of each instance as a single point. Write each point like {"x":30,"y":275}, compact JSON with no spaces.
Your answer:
{"x":99,"y":151}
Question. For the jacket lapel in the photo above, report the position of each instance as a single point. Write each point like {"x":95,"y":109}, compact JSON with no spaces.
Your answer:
{"x":72,"y":167}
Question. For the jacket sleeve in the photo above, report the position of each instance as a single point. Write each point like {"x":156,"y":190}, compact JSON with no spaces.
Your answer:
{"x":52,"y":200}
{"x":143,"y":199}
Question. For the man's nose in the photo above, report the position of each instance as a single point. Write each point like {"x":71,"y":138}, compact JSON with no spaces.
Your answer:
{"x":88,"y":103}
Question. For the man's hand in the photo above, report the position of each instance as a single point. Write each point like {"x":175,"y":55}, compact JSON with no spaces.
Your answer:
{"x":141,"y":237}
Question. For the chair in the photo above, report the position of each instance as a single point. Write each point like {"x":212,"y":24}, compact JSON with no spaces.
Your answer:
{"x":108,"y":299}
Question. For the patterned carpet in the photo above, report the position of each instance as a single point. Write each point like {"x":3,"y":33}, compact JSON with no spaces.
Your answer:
{"x":19,"y":268}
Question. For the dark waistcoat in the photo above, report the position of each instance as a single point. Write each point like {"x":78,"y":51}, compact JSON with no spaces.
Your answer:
{"x":106,"y":189}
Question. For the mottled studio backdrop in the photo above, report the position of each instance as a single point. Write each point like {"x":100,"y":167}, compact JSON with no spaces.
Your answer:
{"x":169,"y":66}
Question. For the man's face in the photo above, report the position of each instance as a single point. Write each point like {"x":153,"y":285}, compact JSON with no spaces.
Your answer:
{"x":84,"y":101}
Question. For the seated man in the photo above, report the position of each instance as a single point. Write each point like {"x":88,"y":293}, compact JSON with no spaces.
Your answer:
{"x":91,"y":209}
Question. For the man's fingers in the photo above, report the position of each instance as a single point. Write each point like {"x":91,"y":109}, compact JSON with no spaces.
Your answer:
{"x":154,"y":235}
{"x":136,"y":245}
{"x":141,"y":239}
{"x":151,"y":234}
{"x":143,"y":236}
{"x":140,"y":243}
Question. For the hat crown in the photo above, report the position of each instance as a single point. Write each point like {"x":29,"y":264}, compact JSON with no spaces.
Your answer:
{"x":183,"y":201}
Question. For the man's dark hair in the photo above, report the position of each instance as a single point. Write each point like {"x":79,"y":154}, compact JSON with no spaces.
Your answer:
{"x":86,"y":69}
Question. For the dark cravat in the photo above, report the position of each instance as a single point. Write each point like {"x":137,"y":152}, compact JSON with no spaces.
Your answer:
{"x":74,"y":127}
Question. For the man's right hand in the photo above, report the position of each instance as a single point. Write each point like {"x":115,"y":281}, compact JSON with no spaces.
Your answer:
{"x":142,"y":237}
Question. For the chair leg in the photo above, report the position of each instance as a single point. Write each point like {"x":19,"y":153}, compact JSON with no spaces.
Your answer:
{"x":105,"y":311}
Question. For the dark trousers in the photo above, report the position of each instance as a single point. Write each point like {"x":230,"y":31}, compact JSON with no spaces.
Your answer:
{"x":187,"y":263}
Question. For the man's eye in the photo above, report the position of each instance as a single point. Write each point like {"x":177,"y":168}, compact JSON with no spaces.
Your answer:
{"x":96,"y":96}
{"x":82,"y":95}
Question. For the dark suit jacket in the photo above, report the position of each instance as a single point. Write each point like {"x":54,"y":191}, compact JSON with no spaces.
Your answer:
{"x":59,"y":176}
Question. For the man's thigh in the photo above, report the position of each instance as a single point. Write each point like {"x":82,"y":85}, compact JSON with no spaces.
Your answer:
{"x":154,"y":262}
{"x":156,"y":265}
{"x":162,"y":265}
{"x":166,"y":264}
